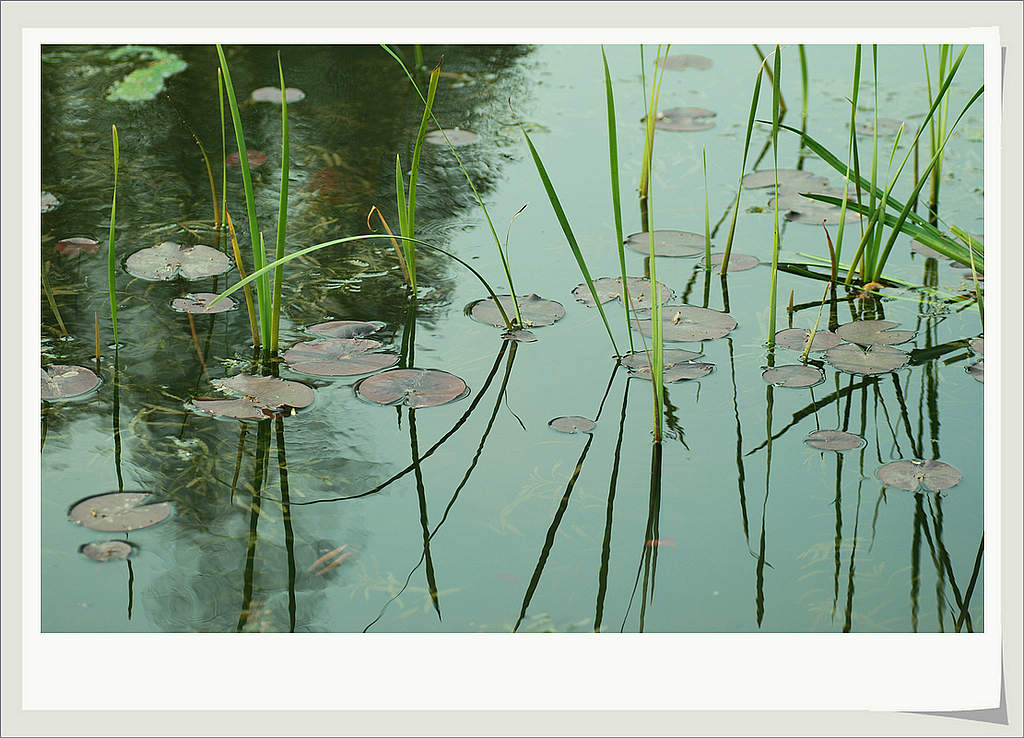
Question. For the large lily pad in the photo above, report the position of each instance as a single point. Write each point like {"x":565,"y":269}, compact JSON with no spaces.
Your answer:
{"x":873,"y":333}
{"x":793,"y":375}
{"x":796,"y":339}
{"x":48,"y":201}
{"x":104,"y":551}
{"x":62,"y":382}
{"x":338,"y":357}
{"x":834,"y":440}
{"x":853,"y":359}
{"x":669,"y":243}
{"x":610,"y":288}
{"x":572,"y":424}
{"x":199,"y":304}
{"x":456,"y":136}
{"x":688,"y":323}
{"x":169,"y":259}
{"x":678,"y":365}
{"x":256,"y":159}
{"x":77,"y":245}
{"x":977,"y":370}
{"x":910,"y":474}
{"x":685,"y":119}
{"x":737,"y":262}
{"x":273,"y":95}
{"x":790,"y":180}
{"x":413,"y":387}
{"x":260,"y":398}
{"x":345,"y":328}
{"x":119,"y":511}
{"x":678,"y":62}
{"x":534,"y":310}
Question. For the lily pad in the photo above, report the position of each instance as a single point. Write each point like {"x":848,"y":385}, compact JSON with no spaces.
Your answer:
{"x":346,"y":328}
{"x":48,"y":201}
{"x":338,"y":357}
{"x":910,"y":474}
{"x":887,"y":127}
{"x":169,"y":259}
{"x":62,"y":382}
{"x":119,"y":511}
{"x":610,"y":288}
{"x":801,"y":209}
{"x":534,"y":310}
{"x":793,"y":375}
{"x":145,"y":83}
{"x":260,"y":398}
{"x":77,"y":245}
{"x":667,"y":243}
{"x":519,"y":336}
{"x":104,"y":551}
{"x":874,"y":360}
{"x":572,"y":424}
{"x":677,"y":365}
{"x":457,"y":136}
{"x":978,"y":346}
{"x":684,"y":119}
{"x":796,"y":339}
{"x":790,"y":180}
{"x":256,"y":159}
{"x":688,"y":323}
{"x":873,"y":333}
{"x":977,"y":370}
{"x":199,"y":303}
{"x":737,"y":262}
{"x":834,"y":440}
{"x":678,"y":62}
{"x":415,"y":388}
{"x":273,"y":95}
{"x":236,"y":409}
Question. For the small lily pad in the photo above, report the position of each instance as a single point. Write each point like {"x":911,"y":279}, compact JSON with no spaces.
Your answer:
{"x":534,"y":310}
{"x":346,"y":328}
{"x":910,"y":474}
{"x":572,"y":424}
{"x":62,"y":382}
{"x":977,"y":370}
{"x":199,"y":303}
{"x":853,"y":359}
{"x":415,"y":388}
{"x":519,"y":336}
{"x":48,"y":202}
{"x":610,"y":288}
{"x":669,"y":243}
{"x":873,"y":333}
{"x":796,"y":339}
{"x":76,"y":246}
{"x":978,"y":346}
{"x":887,"y":127}
{"x":801,"y":209}
{"x":790,"y":180}
{"x":119,"y":511}
{"x":793,"y":375}
{"x":273,"y":95}
{"x":737,"y":262}
{"x":169,"y":259}
{"x":104,"y":551}
{"x":235,"y":409}
{"x":456,"y":136}
{"x":256,"y":159}
{"x":684,"y":119}
{"x":338,"y":357}
{"x":834,"y":440}
{"x":677,"y":365}
{"x":688,"y":323}
{"x":678,"y":62}
{"x":260,"y":398}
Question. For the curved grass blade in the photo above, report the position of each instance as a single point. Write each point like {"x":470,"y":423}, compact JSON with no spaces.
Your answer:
{"x":613,"y":163}
{"x":111,"y":252}
{"x":282,"y":214}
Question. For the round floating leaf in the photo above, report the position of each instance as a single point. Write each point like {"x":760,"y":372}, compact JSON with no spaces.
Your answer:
{"x":887,"y":127}
{"x":62,"y":382}
{"x":413,"y":387}
{"x":793,"y":375}
{"x":108,"y":550}
{"x":48,"y":201}
{"x":267,"y":392}
{"x":119,"y":511}
{"x":978,"y":346}
{"x":873,"y":333}
{"x":737,"y":262}
{"x":689,"y":323}
{"x":834,"y":440}
{"x":167,"y":260}
{"x":76,"y":246}
{"x":239,"y":409}
{"x":338,"y":357}
{"x":977,"y":370}
{"x":639,"y":362}
{"x":346,"y":328}
{"x":874,"y":360}
{"x":678,"y":62}
{"x":796,"y":339}
{"x":684,"y":119}
{"x":199,"y":303}
{"x":800,"y":209}
{"x":910,"y":474}
{"x":667,"y":243}
{"x":535,"y":310}
{"x":273,"y":94}
{"x":610,"y":288}
{"x":520,"y":336}
{"x":790,"y":180}
{"x":457,"y":136}
{"x":256,"y":159}
{"x":572,"y":424}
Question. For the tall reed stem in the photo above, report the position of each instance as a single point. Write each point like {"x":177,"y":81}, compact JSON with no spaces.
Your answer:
{"x":282,"y":214}
{"x":111,"y":251}
{"x":776,"y":105}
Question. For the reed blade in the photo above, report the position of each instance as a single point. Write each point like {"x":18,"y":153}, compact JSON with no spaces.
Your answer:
{"x":613,"y":164}
{"x":743,"y":167}
{"x":111,"y":251}
{"x":282,"y":213}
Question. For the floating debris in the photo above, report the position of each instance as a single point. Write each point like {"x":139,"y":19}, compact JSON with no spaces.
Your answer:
{"x":456,"y":136}
{"x":688,"y":323}
{"x":273,"y":95}
{"x":834,"y":440}
{"x":415,"y":388}
{"x":48,"y":202}
{"x":610,"y":288}
{"x":199,"y":303}
{"x":679,"y":62}
{"x":793,"y":375}
{"x":108,"y":550}
{"x":670,"y":243}
{"x":910,"y":474}
{"x":684,"y":119}
{"x":260,"y":398}
{"x":345,"y":328}
{"x":534,"y":310}
{"x":256,"y":159}
{"x":63,"y":382}
{"x":873,"y":333}
{"x":874,"y":360}
{"x":737,"y":262}
{"x":76,"y":246}
{"x":572,"y":424}
{"x":168,"y":260}
{"x":338,"y":357}
{"x":796,"y":339}
{"x":329,"y":561}
{"x":119,"y":511}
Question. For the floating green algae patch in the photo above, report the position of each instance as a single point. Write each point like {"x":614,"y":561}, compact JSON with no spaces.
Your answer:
{"x":146,"y":82}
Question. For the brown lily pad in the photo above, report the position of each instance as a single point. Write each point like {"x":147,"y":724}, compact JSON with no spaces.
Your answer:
{"x":873,"y":333}
{"x":978,"y":346}
{"x":199,"y":304}
{"x":256,"y":159}
{"x":910,"y":474}
{"x":48,"y":202}
{"x":104,"y":551}
{"x":669,"y":243}
{"x":519,"y":336}
{"x":793,"y":375}
{"x":63,"y":382}
{"x":338,"y":357}
{"x":688,"y":323}
{"x":677,"y":365}
{"x":166,"y":261}
{"x":790,"y":180}
{"x":679,"y":62}
{"x":796,"y":339}
{"x":977,"y":370}
{"x":260,"y":398}
{"x":235,"y":409}
{"x":273,"y":95}
{"x":346,"y":328}
{"x":456,"y":136}
{"x":119,"y":511}
{"x":853,"y":359}
{"x":737,"y":262}
{"x":534,"y":310}
{"x":610,"y":288}
{"x":834,"y":440}
{"x":415,"y":388}
{"x":684,"y":119}
{"x":572,"y":424}
{"x":76,"y":246}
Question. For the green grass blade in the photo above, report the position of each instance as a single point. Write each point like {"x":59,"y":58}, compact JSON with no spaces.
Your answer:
{"x":282,"y":213}
{"x":613,"y":164}
{"x":849,"y":152}
{"x":223,"y":148}
{"x":414,"y":172}
{"x":111,"y":251}
{"x":53,"y":302}
{"x":776,"y":104}
{"x":707,"y":214}
{"x":407,"y":254}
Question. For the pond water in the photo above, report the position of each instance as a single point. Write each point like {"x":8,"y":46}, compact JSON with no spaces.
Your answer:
{"x":476,"y":515}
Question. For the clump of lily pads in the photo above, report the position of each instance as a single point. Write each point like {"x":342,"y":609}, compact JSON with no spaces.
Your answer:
{"x":338,"y":357}
{"x":63,"y":382}
{"x":258,"y":398}
{"x":534,"y":310}
{"x":415,"y":388}
{"x":168,"y":260}
{"x":911,"y":474}
{"x":119,"y":511}
{"x":147,"y":81}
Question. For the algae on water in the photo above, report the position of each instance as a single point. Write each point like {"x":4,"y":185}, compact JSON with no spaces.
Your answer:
{"x":146,"y":82}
